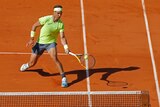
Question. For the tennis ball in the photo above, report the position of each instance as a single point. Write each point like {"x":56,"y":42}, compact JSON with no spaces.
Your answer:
{"x":85,"y":56}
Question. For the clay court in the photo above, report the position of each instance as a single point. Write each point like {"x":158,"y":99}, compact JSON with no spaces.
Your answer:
{"x":117,"y":36}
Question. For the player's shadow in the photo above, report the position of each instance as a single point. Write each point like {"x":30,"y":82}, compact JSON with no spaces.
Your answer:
{"x":41,"y":72}
{"x":81,"y":74}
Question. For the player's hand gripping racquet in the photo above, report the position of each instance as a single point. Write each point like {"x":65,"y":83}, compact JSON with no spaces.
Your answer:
{"x":85,"y":60}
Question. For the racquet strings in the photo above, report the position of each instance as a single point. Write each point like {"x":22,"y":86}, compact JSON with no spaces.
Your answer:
{"x":90,"y":59}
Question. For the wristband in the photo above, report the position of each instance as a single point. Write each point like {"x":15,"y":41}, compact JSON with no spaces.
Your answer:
{"x":65,"y":46}
{"x":32,"y":34}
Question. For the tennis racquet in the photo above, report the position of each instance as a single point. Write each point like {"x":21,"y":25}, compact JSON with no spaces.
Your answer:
{"x":85,"y":60}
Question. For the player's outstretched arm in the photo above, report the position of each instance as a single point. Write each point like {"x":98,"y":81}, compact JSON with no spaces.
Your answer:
{"x":33,"y":32}
{"x":64,"y":42}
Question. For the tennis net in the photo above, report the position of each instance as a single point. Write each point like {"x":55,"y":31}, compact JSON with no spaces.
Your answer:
{"x":75,"y":99}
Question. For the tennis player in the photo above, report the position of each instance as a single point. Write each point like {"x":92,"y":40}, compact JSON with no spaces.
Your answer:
{"x":51,"y":27}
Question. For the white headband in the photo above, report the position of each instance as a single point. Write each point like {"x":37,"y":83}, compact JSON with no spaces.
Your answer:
{"x":58,"y":9}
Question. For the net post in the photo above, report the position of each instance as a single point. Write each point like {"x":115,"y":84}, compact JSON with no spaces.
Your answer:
{"x":145,"y":99}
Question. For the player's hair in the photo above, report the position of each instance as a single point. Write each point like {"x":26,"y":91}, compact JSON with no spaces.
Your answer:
{"x":60,"y":6}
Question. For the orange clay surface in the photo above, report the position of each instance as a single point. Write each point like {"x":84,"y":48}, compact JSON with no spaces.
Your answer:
{"x":116,"y":36}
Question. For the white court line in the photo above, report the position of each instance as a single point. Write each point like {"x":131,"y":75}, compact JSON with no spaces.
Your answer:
{"x":24,"y":53}
{"x":85,"y":52}
{"x":151,"y":51}
{"x":28,"y":53}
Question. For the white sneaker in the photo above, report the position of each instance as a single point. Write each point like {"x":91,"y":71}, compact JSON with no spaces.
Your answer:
{"x":24,"y":67}
{"x":64,"y":82}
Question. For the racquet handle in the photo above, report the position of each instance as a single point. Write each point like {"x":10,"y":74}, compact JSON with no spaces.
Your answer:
{"x":72,"y":54}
